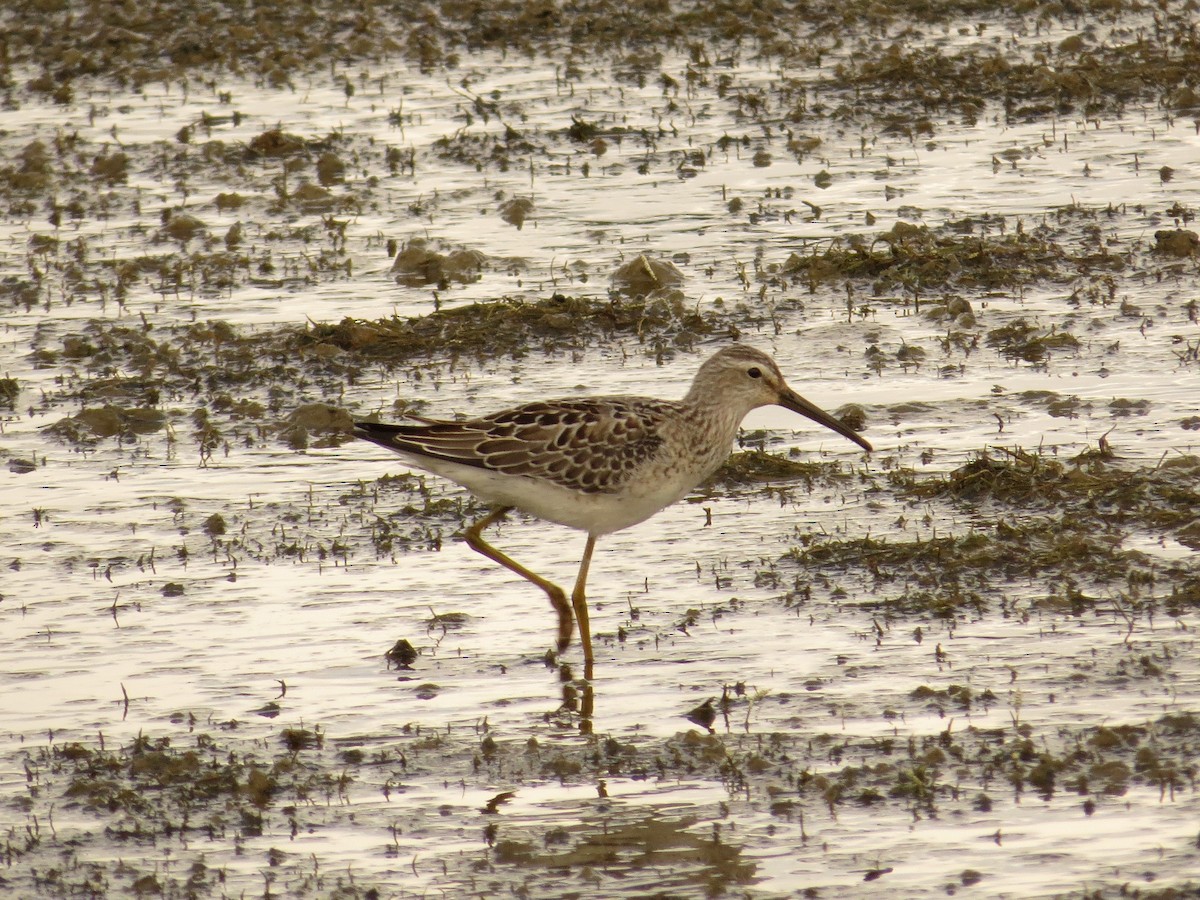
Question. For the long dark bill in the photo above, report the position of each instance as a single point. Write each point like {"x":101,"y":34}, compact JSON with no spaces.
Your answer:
{"x":793,"y":401}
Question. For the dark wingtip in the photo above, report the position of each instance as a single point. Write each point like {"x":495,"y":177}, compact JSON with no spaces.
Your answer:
{"x":376,"y":432}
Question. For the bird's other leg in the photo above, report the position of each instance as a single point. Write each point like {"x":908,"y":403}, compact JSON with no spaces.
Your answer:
{"x":558,"y":599}
{"x":579,"y":602}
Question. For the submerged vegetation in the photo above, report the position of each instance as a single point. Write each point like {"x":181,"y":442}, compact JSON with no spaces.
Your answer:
{"x":216,"y":787}
{"x":1041,"y":528}
{"x":515,"y":328}
{"x":277,"y":43}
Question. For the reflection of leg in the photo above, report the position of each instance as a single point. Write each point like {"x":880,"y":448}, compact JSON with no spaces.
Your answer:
{"x":587,"y":706}
{"x":579,"y":602}
{"x":558,"y":599}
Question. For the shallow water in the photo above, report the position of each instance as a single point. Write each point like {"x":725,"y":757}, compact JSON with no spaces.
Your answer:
{"x":93,"y":647}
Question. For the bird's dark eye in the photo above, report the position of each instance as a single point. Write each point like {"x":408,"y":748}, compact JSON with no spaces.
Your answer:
{"x":755,"y":372}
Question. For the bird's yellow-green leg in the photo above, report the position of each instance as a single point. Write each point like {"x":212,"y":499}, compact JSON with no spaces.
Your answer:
{"x":579,"y":602}
{"x":558,"y":599}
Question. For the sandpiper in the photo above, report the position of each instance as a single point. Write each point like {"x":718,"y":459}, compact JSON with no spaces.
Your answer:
{"x":598,"y":464}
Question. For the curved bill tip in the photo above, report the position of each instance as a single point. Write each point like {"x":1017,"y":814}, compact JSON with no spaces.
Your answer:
{"x":793,"y":401}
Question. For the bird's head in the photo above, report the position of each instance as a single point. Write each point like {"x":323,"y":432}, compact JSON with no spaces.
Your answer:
{"x":743,"y":378}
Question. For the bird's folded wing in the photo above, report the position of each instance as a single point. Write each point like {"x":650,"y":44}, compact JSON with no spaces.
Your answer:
{"x":588,"y":445}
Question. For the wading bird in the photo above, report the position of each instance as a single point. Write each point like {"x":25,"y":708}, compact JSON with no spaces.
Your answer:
{"x":598,"y":464}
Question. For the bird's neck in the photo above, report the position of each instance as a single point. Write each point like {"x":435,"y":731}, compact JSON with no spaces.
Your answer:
{"x":720,"y":417}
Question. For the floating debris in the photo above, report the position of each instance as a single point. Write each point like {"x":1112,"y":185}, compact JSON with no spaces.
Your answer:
{"x":1025,"y":341}
{"x":403,"y":654}
{"x":90,"y":425}
{"x":10,"y":390}
{"x":516,"y":210}
{"x":417,"y":265}
{"x":333,"y":425}
{"x":1179,"y":242}
{"x":644,"y":276}
{"x":182,"y":227}
{"x":276,"y":144}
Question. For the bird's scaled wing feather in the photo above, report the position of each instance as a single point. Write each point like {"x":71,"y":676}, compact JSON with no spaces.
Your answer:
{"x":589,"y":445}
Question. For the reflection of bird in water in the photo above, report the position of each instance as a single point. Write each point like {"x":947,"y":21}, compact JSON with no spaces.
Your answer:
{"x":598,"y":464}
